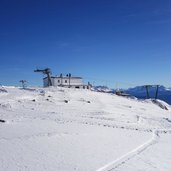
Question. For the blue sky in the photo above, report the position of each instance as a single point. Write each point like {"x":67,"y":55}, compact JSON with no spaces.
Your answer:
{"x":105,"y":41}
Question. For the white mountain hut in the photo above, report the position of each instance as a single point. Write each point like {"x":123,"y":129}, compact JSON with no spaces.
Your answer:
{"x":66,"y":81}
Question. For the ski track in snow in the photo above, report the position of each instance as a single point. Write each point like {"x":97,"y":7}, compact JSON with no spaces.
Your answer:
{"x":135,"y":152}
{"x":92,"y":123}
{"x":119,"y":161}
{"x":26,"y":137}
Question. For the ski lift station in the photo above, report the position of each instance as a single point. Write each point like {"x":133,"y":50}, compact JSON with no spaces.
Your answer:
{"x":63,"y":81}
{"x":66,"y":81}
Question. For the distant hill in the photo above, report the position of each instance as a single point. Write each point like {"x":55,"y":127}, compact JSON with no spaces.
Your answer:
{"x":140,"y":92}
{"x":103,"y":89}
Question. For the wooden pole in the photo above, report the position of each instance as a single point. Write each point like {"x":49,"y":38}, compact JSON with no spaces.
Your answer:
{"x":61,"y":79}
{"x":147,"y":86}
{"x":69,"y":79}
{"x":157,"y":89}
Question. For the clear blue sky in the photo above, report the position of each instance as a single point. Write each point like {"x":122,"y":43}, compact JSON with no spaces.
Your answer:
{"x":127,"y":41}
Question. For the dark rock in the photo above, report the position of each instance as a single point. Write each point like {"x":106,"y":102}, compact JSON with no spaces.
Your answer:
{"x":168,"y":119}
{"x":1,"y":120}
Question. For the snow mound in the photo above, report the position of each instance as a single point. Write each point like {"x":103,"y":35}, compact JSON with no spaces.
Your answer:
{"x":3,"y":90}
{"x":161,"y":104}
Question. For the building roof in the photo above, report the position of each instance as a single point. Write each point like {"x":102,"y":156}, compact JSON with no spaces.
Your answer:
{"x":58,"y":77}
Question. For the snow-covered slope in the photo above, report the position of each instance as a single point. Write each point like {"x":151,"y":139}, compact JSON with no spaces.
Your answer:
{"x":68,"y":129}
{"x":103,"y":89}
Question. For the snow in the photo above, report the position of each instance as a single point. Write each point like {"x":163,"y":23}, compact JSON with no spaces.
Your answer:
{"x":157,"y":157}
{"x":69,"y":129}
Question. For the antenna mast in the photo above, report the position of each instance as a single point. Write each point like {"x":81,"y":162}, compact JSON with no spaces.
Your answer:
{"x":23,"y":82}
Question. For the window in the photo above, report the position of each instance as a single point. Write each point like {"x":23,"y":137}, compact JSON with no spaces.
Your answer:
{"x":65,"y":81}
{"x":77,"y":87}
{"x":58,"y":81}
{"x":83,"y":87}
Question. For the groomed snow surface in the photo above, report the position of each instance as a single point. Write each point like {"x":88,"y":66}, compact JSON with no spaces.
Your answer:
{"x":60,"y":129}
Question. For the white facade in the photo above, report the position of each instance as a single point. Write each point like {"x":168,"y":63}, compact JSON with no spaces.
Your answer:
{"x":73,"y":82}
